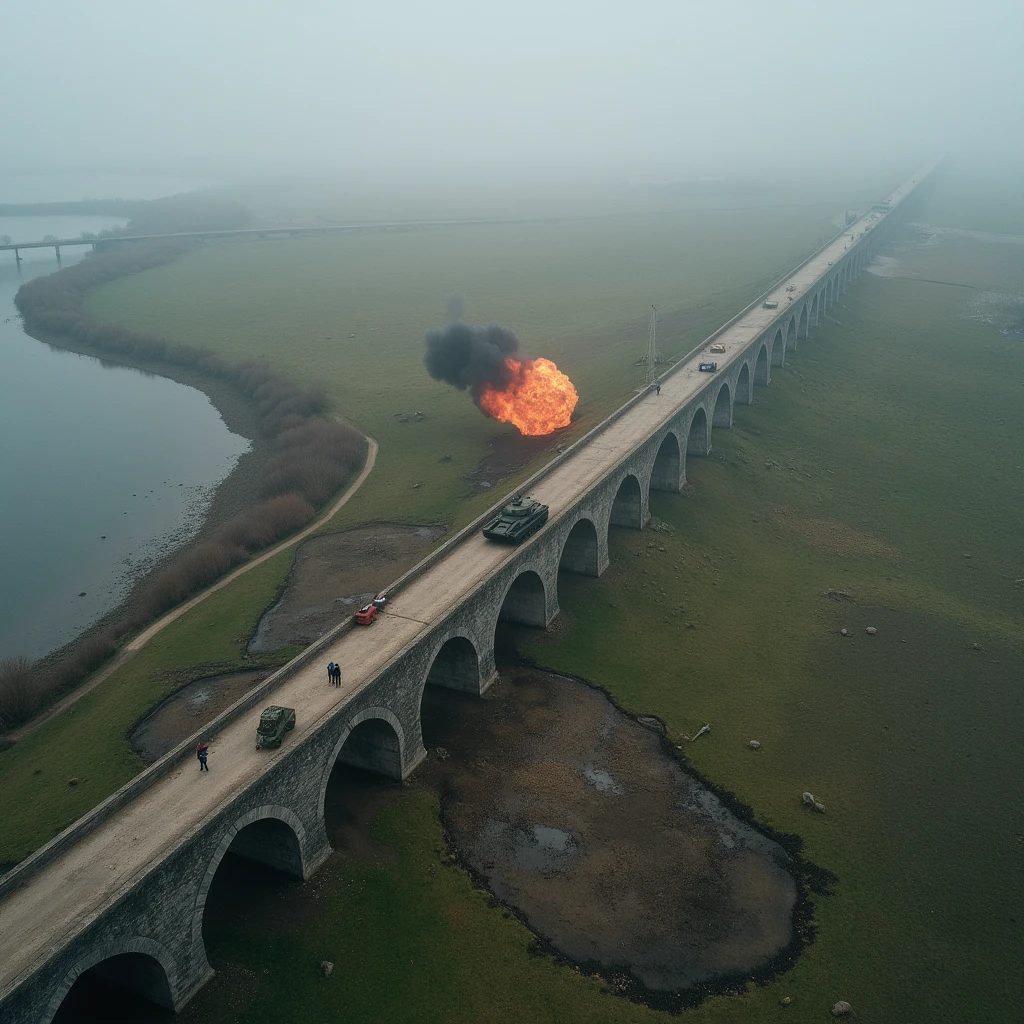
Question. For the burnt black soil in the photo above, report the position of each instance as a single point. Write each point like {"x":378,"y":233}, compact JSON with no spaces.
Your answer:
{"x":575,"y":815}
{"x":511,"y":452}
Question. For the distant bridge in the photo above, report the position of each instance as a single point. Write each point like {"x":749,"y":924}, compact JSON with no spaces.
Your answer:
{"x":123,"y":890}
{"x":368,"y":227}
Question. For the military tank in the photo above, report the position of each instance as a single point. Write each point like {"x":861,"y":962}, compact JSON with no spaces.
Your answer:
{"x":274,"y":723}
{"x":517,"y":520}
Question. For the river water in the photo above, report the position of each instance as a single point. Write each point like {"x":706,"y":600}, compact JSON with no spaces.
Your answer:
{"x":102,"y":468}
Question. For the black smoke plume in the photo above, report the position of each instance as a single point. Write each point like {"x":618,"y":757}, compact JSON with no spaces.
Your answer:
{"x":470,"y":357}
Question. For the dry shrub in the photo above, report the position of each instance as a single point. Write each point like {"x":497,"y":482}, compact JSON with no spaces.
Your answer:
{"x":19,"y":691}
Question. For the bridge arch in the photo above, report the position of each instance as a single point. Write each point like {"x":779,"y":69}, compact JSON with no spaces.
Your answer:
{"x":524,"y":601}
{"x":722,"y":414}
{"x":762,"y":374}
{"x":270,"y":834}
{"x":667,"y":473}
{"x":373,"y":739}
{"x":804,"y":323}
{"x":139,"y":964}
{"x":698,"y":437}
{"x":744,"y":387}
{"x":815,"y":310}
{"x":791,"y":334}
{"x":581,"y":552}
{"x":778,"y":351}
{"x":628,"y":506}
{"x":455,"y":665}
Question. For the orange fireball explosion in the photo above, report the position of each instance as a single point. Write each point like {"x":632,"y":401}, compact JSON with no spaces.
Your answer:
{"x":538,"y":399}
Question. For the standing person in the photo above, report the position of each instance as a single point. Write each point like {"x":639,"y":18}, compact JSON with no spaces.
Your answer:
{"x":337,"y":674}
{"x":330,"y":672}
{"x":202,"y":752}
{"x":657,"y":389}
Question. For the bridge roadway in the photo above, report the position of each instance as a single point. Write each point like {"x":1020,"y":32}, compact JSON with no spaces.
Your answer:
{"x":65,"y":895}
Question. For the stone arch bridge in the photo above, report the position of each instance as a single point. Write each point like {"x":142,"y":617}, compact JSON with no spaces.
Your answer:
{"x":122,"y":892}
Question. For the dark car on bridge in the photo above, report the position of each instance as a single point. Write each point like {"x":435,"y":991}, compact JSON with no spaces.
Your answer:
{"x":517,"y":520}
{"x":707,"y":367}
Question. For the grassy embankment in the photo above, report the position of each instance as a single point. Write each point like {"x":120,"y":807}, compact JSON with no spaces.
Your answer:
{"x":873,"y":465}
{"x":575,"y":290}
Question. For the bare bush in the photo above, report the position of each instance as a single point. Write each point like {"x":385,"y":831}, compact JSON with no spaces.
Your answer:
{"x":19,"y":691}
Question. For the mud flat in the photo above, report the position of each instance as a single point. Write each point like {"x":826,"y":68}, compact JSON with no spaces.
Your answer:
{"x":333,"y":575}
{"x":576,"y":816}
{"x":186,"y":710}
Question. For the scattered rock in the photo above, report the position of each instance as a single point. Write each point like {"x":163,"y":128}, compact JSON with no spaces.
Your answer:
{"x":838,"y":595}
{"x":808,"y":799}
{"x":441,"y":753}
{"x":690,"y":625}
{"x":871,"y":630}
{"x":844,"y":632}
{"x":818,"y":806}
{"x":786,"y":1001}
{"x":754,"y":745}
{"x":445,"y":458}
{"x":842,"y":1009}
{"x":82,"y":594}
{"x":976,"y":647}
{"x":416,"y":486}
{"x":326,"y":968}
{"x":74,"y":781}
{"x":700,"y":732}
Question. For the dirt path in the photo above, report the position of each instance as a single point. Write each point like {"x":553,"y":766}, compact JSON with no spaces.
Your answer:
{"x":137,"y":643}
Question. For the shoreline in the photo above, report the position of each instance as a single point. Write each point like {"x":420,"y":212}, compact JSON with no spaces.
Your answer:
{"x":235,"y":492}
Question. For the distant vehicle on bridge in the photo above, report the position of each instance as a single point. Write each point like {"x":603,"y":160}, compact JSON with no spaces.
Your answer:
{"x":274,"y":723}
{"x":770,"y":304}
{"x":369,"y":612}
{"x":717,"y":348}
{"x":707,"y":367}
{"x":517,"y":520}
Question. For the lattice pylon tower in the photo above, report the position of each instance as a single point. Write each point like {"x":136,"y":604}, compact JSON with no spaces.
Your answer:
{"x":652,"y":349}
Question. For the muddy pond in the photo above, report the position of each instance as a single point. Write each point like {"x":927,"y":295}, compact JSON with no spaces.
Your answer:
{"x":576,"y":815}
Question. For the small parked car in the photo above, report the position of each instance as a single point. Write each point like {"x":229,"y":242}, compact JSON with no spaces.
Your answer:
{"x":707,"y":367}
{"x":770,"y":304}
{"x":718,"y":348}
{"x":274,"y":723}
{"x":369,"y":612}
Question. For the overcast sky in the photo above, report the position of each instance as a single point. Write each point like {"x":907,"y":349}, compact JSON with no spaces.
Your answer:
{"x":640,"y":87}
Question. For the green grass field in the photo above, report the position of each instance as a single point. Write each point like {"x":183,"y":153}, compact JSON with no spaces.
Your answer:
{"x":872,"y":465}
{"x":349,"y":313}
{"x":575,"y":290}
{"x":884,"y":462}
